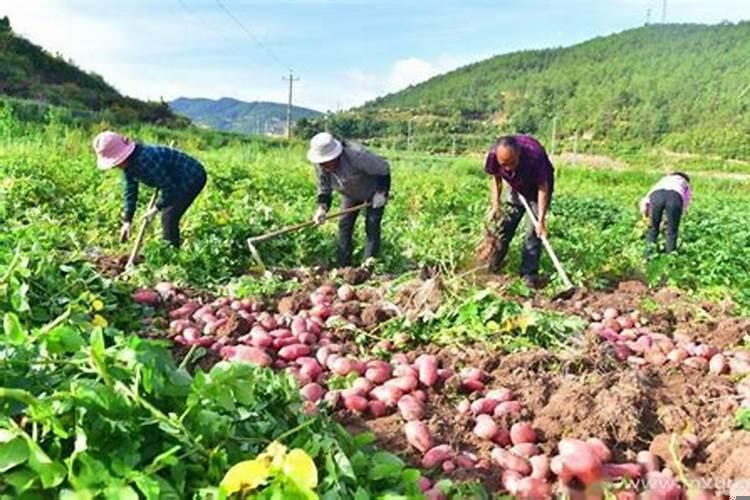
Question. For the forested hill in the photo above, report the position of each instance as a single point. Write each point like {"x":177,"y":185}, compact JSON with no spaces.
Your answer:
{"x":682,"y":86}
{"x":32,"y":76}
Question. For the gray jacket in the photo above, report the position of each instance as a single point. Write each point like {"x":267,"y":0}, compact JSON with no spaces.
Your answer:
{"x":359,"y":175}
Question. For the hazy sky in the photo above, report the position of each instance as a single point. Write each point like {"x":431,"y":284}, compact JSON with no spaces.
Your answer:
{"x":345,"y":51}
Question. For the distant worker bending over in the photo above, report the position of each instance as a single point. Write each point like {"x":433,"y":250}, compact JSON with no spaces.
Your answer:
{"x":671,"y":195}
{"x":178,"y":177}
{"x":360,"y":176}
{"x":519,"y":160}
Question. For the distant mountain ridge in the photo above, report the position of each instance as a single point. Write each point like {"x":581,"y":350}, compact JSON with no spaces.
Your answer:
{"x":30,"y":74}
{"x":233,"y":115}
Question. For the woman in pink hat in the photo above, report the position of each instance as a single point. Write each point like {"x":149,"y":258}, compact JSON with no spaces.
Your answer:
{"x":178,"y":177}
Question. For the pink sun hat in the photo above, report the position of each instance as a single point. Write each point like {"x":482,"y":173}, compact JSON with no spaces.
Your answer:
{"x":111,"y":149}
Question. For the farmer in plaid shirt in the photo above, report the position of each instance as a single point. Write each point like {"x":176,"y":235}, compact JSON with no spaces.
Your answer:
{"x":178,"y":177}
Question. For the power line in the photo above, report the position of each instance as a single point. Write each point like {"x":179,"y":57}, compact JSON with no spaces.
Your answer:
{"x":251,"y":34}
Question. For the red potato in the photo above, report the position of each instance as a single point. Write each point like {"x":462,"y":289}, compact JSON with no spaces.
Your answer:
{"x":596,"y":326}
{"x":580,"y":460}
{"x":400,"y":359}
{"x":345,"y":293}
{"x":279,"y":364}
{"x":355,"y":402}
{"x":615,"y":472}
{"x":298,"y":326}
{"x":472,"y":385}
{"x":502,"y":437}
{"x":165,"y":288}
{"x":310,"y":369}
{"x":525,"y":450}
{"x":362,"y":386}
{"x":312,"y":392}
{"x":376,"y":408}
{"x":322,"y":355}
{"x":522,"y":432}
{"x":706,"y":351}
{"x":308,"y":338}
{"x":179,"y":339}
{"x":510,"y":480}
{"x":596,"y":316}
{"x":600,"y":448}
{"x":655,"y":357}
{"x":267,"y":321}
{"x":420,"y":395}
{"x":625,"y":322}
{"x":250,"y":354}
{"x":648,"y":461}
{"x":629,"y":334}
{"x":405,"y":371}
{"x":449,"y":466}
{"x":314,"y":326}
{"x":609,"y":335}
{"x":621,"y":352}
{"x":661,"y":486}
{"x":404,"y":384}
{"x":636,"y":361}
{"x":678,"y":355}
{"x":359,"y":366}
{"x":178,"y":326}
{"x":379,"y":373}
{"x":610,"y":313}
{"x":434,"y":494}
{"x":294,"y":351}
{"x":184,"y":311}
{"x":627,"y":494}
{"x":483,"y":406}
{"x":436,"y":456}
{"x":427,"y":366}
{"x":508,"y":408}
{"x":485,"y":427}
{"x":463,"y":407}
{"x":613,"y":324}
{"x":530,"y":488}
{"x":718,"y":364}
{"x":192,"y":335}
{"x":472,"y":374}
{"x":260,"y":338}
{"x":466,"y":460}
{"x":280,"y":333}
{"x":280,"y":343}
{"x":340,"y":365}
{"x":696,"y":363}
{"x":507,"y":460}
{"x":410,"y":408}
{"x":211,"y":328}
{"x":424,"y":484}
{"x":146,"y":297}
{"x":445,"y":373}
{"x":500,"y":395}
{"x":418,"y":435}
{"x":388,"y":395}
{"x":540,"y":466}
{"x":321,"y":312}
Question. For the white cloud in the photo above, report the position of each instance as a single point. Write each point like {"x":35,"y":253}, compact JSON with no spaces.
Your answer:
{"x":409,"y":71}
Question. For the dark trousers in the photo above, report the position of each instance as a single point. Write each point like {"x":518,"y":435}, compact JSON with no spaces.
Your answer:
{"x":373,"y":218}
{"x":171,"y":214}
{"x":662,"y":201}
{"x":513,"y":212}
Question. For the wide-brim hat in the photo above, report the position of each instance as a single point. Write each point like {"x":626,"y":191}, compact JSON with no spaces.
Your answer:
{"x":323,"y":148}
{"x":111,"y":149}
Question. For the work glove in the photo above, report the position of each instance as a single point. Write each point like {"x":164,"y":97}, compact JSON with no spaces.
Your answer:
{"x":125,"y":232}
{"x":320,"y":215}
{"x":379,"y":199}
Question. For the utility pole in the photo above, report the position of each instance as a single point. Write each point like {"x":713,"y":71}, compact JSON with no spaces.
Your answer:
{"x":408,"y":135}
{"x":291,"y":79}
{"x":664,"y":12}
{"x":648,"y":16}
{"x":454,"y":145}
{"x":575,"y":149}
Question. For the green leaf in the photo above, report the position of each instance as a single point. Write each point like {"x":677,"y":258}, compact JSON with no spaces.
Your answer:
{"x":21,"y":479}
{"x":13,"y":329}
{"x":63,"y":339}
{"x":344,"y":465}
{"x":120,"y":492}
{"x":13,"y":453}
{"x":385,"y":465}
{"x":50,"y":473}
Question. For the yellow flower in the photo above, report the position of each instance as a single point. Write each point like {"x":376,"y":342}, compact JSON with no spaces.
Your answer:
{"x":274,"y":455}
{"x":246,"y":475}
{"x":300,"y":467}
{"x":99,"y":320}
{"x":97,"y":305}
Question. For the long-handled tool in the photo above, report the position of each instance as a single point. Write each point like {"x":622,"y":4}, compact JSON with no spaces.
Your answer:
{"x":569,"y":287}
{"x":141,"y":232}
{"x":290,"y":229}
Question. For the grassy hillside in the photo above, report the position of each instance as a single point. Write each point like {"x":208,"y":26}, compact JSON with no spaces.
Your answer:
{"x":32,"y":76}
{"x":232,"y":115}
{"x":686,"y":87}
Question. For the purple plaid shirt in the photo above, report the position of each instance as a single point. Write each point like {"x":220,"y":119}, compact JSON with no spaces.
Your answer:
{"x":534,"y":168}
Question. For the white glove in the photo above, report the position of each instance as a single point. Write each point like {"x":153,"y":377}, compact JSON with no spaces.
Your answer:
{"x":125,"y":232}
{"x":379,"y":199}
{"x":320,"y":215}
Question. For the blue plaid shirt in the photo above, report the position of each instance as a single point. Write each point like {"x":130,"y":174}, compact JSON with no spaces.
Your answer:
{"x":173,"y":172}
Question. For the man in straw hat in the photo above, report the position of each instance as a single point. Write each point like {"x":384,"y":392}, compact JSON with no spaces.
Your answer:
{"x":178,"y":177}
{"x":360,"y":176}
{"x":522,"y":162}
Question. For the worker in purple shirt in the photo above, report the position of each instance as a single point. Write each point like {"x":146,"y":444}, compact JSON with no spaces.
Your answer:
{"x":520,"y":161}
